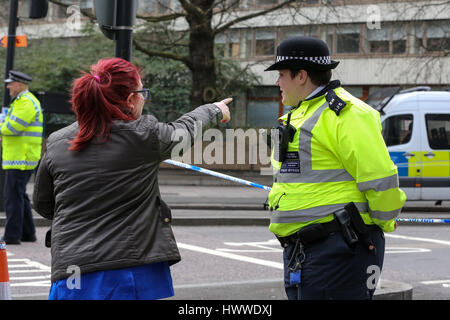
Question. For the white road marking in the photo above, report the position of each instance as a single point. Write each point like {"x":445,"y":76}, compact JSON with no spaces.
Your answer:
{"x":30,"y":278}
{"x":225,"y":284}
{"x":233,"y":256}
{"x":268,"y":246}
{"x":262,"y":246}
{"x":23,"y":268}
{"x":32,"y":284}
{"x":444,"y":283}
{"x":405,"y":250}
{"x":435,"y":281}
{"x":26,"y":271}
{"x":447,"y":243}
{"x":30,"y":295}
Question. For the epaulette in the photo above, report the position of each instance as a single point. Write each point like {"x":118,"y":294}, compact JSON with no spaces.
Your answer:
{"x":334,"y":102}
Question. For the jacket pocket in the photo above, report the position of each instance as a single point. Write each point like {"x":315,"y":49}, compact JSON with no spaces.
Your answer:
{"x":165,"y":243}
{"x":164,"y":211}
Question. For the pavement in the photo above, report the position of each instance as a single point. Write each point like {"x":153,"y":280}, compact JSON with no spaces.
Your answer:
{"x":200,"y":200}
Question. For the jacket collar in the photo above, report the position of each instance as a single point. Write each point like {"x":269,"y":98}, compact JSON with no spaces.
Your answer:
{"x":330,"y":86}
{"x":20,"y":94}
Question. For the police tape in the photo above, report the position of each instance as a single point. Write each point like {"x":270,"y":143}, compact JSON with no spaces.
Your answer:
{"x":217,"y":174}
{"x":423,"y":220}
{"x":260,"y":186}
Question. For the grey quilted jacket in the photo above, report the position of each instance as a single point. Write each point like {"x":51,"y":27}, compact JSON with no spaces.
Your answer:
{"x":104,"y":201}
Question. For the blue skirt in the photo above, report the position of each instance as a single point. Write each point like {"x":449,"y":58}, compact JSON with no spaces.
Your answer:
{"x":146,"y":282}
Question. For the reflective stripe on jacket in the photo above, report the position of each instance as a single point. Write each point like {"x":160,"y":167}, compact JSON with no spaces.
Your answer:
{"x":22,"y":133}
{"x":333,"y":160}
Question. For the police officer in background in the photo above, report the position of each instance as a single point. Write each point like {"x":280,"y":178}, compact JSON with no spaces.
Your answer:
{"x":21,"y":134}
{"x":335,"y":188}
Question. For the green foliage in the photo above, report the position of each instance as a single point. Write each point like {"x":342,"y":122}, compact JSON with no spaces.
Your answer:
{"x":169,"y":83}
{"x":232,"y":79}
{"x":55,"y":63}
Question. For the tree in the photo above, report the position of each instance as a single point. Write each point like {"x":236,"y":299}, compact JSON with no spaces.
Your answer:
{"x":194,"y":46}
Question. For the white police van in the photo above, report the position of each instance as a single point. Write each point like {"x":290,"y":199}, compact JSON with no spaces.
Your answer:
{"x":416,"y":128}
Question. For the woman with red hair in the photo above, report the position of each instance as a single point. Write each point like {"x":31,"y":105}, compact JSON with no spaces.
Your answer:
{"x":111,"y":236}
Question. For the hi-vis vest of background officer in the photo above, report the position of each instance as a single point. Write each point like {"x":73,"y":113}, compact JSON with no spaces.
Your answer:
{"x":336,"y":155}
{"x":22,"y":133}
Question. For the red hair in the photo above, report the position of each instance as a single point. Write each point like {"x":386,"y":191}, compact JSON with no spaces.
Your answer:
{"x":100,"y":97}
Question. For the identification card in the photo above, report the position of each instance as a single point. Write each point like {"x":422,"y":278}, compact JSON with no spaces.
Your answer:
{"x":291,"y":164}
{"x":295,"y":277}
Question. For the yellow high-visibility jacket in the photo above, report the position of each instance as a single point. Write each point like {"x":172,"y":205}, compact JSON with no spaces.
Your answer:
{"x":333,"y":160}
{"x":22,"y":133}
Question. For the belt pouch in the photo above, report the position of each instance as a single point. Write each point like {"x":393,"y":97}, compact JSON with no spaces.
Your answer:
{"x":312,"y":233}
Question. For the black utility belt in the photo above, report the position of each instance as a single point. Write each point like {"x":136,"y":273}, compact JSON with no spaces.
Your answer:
{"x":311,"y":234}
{"x":347,"y":220}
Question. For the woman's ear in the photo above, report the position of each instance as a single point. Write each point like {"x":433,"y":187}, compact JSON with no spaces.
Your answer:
{"x":129,"y":99}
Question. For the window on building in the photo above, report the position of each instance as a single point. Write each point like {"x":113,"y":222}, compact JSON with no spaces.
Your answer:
{"x":220,"y":44}
{"x":347,"y":38}
{"x":265,"y":2}
{"x":438,"y":129}
{"x":263,"y":107}
{"x":355,"y":91}
{"x":415,"y":37}
{"x":249,"y":43}
{"x":175,"y":6}
{"x":398,"y":129}
{"x":24,"y":8}
{"x":399,"y":38}
{"x":86,"y":4}
{"x":233,"y":45}
{"x":159,"y":6}
{"x":145,"y":7}
{"x":378,"y":39}
{"x":163,"y":6}
{"x":245,"y":4}
{"x":438,"y":35}
{"x":287,"y":32}
{"x":327,"y":35}
{"x":230,"y":45}
{"x":264,"y":42}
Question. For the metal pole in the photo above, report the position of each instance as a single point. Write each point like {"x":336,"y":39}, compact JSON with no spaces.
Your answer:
{"x":13,"y":10}
{"x":124,"y":29}
{"x":13,"y":21}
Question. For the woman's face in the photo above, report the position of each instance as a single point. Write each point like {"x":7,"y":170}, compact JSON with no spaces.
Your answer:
{"x":137,"y":100}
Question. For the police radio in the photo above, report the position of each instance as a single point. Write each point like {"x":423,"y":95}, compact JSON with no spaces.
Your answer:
{"x":285,"y":134}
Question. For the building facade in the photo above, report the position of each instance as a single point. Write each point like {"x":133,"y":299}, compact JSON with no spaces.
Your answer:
{"x":380,"y":44}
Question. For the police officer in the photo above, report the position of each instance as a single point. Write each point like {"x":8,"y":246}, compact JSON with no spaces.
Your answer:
{"x":335,"y":188}
{"x":21,"y":151}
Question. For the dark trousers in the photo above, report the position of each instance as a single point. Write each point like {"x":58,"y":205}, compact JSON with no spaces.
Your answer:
{"x":19,"y":219}
{"x":333,"y":270}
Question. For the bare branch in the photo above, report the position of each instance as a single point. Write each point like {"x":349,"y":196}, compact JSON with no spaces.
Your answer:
{"x":167,"y":17}
{"x":162,"y":54}
{"x":252,"y":15}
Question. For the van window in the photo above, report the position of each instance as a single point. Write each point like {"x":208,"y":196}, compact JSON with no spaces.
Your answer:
{"x":397,"y":129}
{"x":438,"y":129}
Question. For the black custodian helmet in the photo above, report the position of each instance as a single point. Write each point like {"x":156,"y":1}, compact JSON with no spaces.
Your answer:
{"x":303,"y":52}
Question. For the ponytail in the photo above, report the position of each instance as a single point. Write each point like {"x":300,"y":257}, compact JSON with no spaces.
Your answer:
{"x":99,"y":97}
